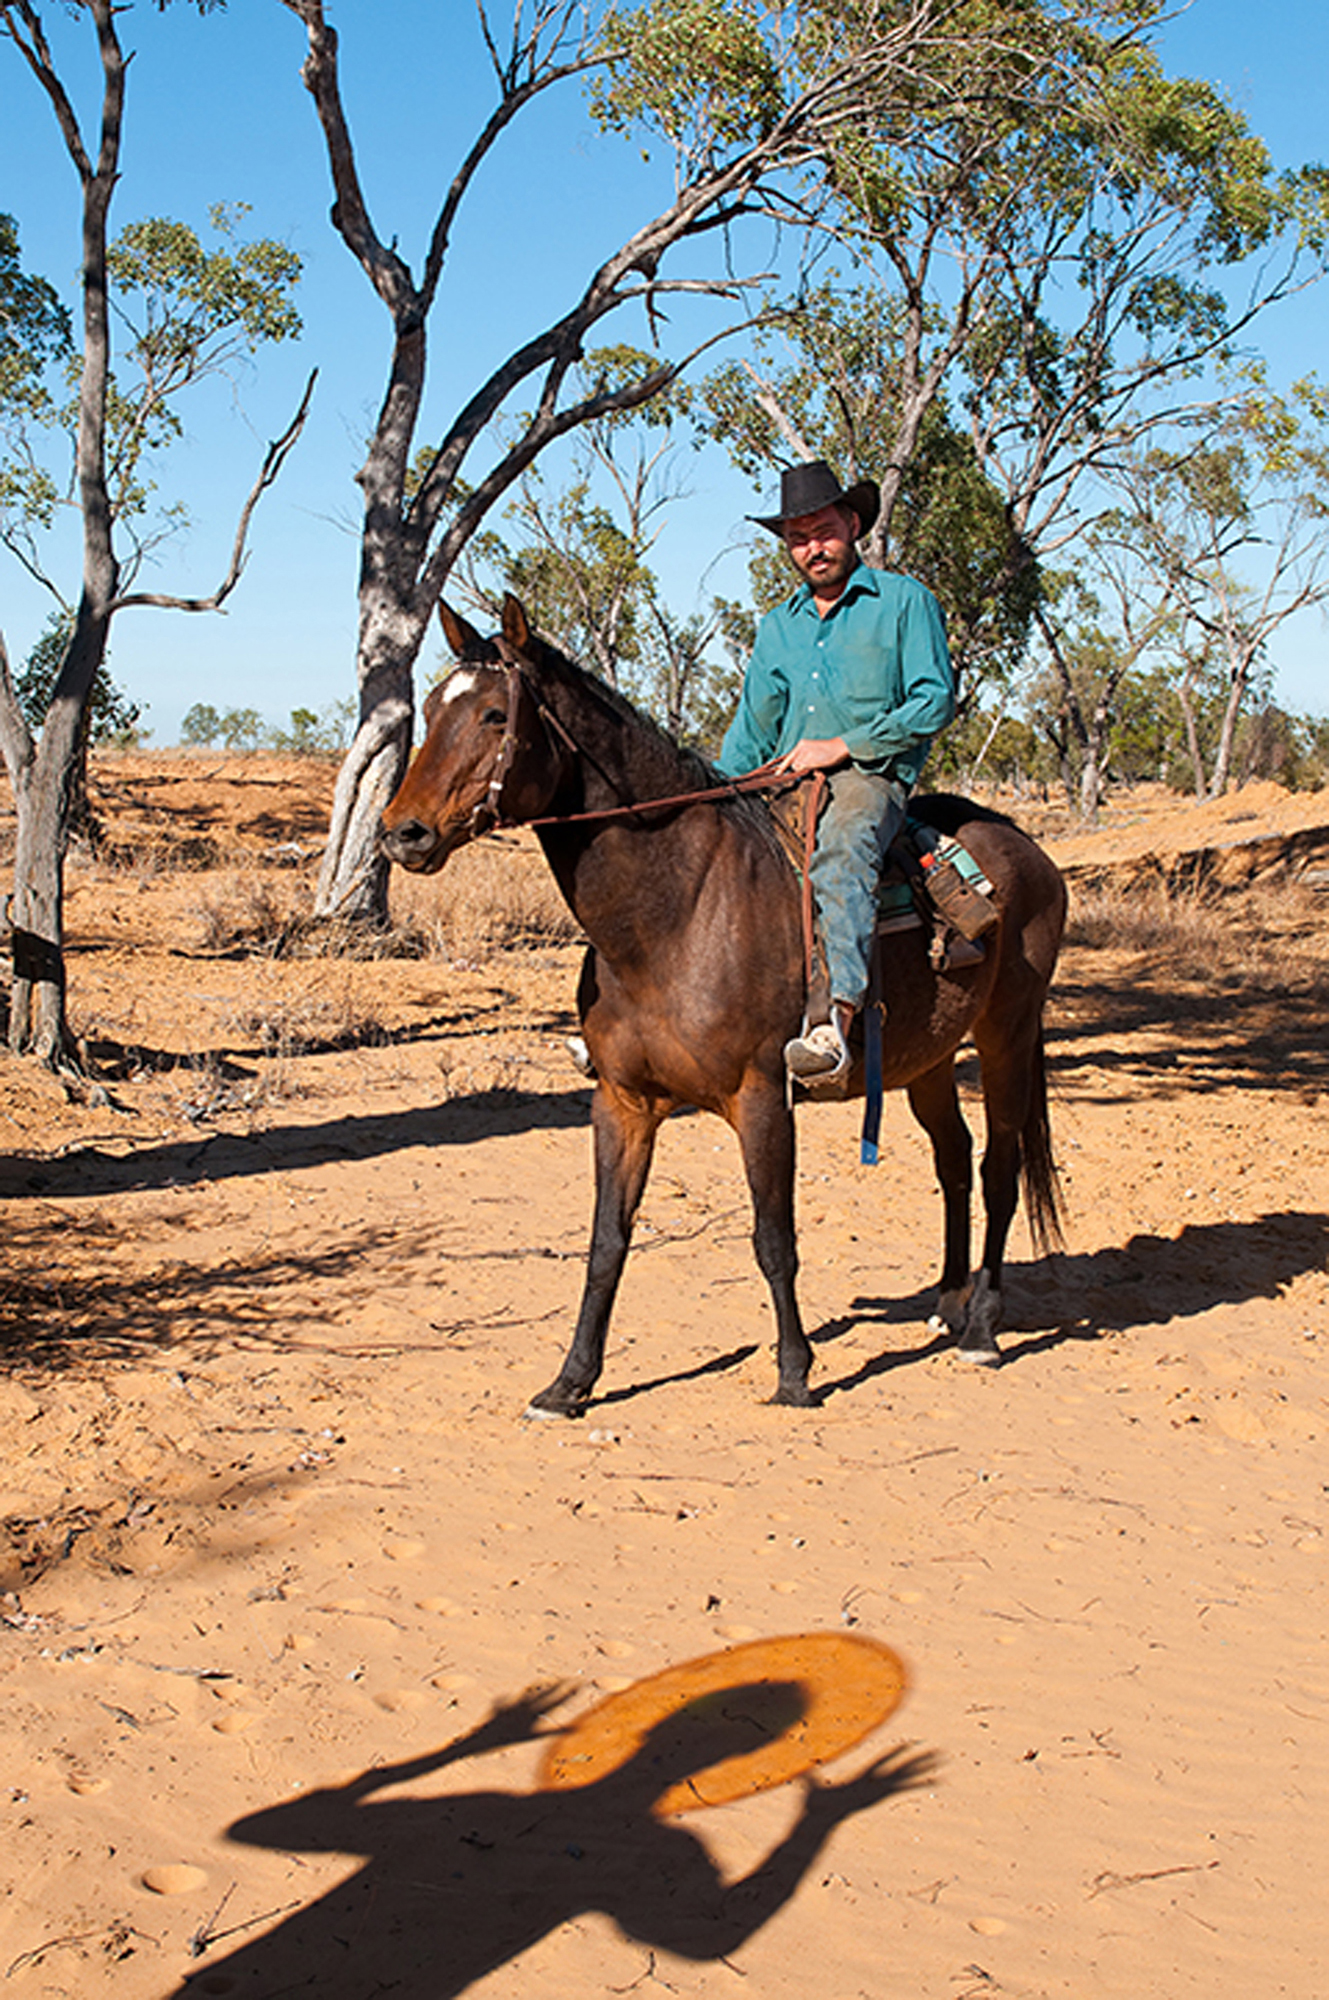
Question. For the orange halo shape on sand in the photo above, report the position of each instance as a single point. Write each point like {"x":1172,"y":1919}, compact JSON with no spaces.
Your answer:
{"x":814,"y":1694}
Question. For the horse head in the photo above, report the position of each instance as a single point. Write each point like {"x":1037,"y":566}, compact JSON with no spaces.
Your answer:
{"x":489,"y":757}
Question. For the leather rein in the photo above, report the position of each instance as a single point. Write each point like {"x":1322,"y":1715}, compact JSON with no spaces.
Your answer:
{"x":489,"y":817}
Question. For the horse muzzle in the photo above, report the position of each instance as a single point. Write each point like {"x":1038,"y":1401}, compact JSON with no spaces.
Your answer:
{"x":413,"y":845}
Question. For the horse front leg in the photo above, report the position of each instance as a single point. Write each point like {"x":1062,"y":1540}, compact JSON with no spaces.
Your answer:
{"x":936,"y":1105}
{"x":624,"y":1129}
{"x":765,"y":1127}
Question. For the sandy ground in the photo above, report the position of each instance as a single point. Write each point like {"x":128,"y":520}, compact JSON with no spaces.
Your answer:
{"x":278,"y":1540}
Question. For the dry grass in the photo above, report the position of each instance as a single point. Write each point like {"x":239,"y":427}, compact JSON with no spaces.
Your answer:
{"x":1262,"y":941}
{"x":496,"y":896}
{"x":248,"y":912}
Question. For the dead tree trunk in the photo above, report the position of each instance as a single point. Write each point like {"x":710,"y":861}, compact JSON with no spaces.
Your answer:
{"x":414,"y":532}
{"x":43,"y":773}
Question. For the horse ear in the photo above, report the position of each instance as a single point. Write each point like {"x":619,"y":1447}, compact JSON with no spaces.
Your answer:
{"x":517,"y":629}
{"x":459,"y":635}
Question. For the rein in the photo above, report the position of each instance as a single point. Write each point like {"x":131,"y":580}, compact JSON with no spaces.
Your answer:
{"x":763,"y":779}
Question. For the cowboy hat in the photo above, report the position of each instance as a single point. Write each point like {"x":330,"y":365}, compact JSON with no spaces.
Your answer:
{"x":805,"y":489}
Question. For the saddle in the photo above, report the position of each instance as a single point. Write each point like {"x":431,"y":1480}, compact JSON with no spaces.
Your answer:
{"x":930,"y":881}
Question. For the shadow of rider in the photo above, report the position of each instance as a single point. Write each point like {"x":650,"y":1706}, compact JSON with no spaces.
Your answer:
{"x":455,"y":1885}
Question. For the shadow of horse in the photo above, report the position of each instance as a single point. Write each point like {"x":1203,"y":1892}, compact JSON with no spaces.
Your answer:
{"x":1146,"y":1281}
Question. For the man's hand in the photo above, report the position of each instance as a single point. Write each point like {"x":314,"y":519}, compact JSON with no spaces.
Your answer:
{"x":825,"y":753}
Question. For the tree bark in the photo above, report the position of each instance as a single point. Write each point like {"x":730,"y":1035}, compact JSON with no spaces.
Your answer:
{"x":45,"y":773}
{"x":43,"y":785}
{"x":1239,"y":676}
{"x":44,"y":777}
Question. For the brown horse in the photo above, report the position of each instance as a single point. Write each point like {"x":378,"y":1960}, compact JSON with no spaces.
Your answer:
{"x":694,"y":978}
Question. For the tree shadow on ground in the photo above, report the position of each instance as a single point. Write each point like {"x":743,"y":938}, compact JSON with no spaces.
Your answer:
{"x":455,"y":1886}
{"x":1147,"y":1281}
{"x":219,"y":1156}
{"x":1221,"y":1037}
{"x":89,"y":1309}
{"x":114,"y":1061}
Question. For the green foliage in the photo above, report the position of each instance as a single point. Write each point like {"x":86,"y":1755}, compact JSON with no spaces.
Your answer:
{"x":187,"y":313}
{"x":241,"y":728}
{"x":312,"y":733}
{"x":988,"y":746}
{"x":201,"y":726}
{"x":703,"y":76}
{"x":1044,"y":224}
{"x":111,"y":717}
{"x":34,"y":325}
{"x":179,"y":299}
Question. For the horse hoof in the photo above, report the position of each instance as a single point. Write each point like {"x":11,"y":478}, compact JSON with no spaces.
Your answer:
{"x":553,"y":1402}
{"x":795,"y":1396}
{"x":981,"y":1357}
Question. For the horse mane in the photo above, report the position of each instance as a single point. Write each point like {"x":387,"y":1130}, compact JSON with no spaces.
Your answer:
{"x":663,"y":766}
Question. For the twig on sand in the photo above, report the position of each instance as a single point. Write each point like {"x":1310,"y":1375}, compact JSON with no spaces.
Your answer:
{"x":1109,"y":1879}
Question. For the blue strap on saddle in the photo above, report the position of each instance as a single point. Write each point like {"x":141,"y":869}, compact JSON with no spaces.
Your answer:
{"x":872,"y":1087}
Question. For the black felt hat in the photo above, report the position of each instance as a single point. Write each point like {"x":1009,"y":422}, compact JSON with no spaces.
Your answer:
{"x":805,"y":489}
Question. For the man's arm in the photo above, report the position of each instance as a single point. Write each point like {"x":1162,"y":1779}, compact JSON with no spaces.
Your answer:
{"x":927,"y":702}
{"x":753,"y":734}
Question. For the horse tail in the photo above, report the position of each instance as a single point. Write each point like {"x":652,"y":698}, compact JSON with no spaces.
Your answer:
{"x":1042,"y":1185}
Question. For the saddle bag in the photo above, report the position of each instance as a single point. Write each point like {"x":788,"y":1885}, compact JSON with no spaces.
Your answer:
{"x":954,"y":883}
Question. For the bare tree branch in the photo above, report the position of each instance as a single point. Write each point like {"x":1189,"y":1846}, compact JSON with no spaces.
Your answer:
{"x":273,"y":461}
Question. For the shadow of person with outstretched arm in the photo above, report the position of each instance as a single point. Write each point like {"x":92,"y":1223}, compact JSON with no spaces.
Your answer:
{"x":458,"y":1884}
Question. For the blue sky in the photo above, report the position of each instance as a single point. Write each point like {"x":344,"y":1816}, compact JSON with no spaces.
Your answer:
{"x":217,"y":112}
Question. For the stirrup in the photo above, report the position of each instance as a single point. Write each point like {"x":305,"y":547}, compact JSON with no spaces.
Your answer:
{"x":820,"y":1054}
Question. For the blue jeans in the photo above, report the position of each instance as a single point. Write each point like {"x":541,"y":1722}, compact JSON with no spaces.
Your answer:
{"x":860,"y":817}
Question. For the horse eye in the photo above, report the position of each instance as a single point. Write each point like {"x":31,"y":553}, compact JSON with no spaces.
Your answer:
{"x":494,"y":718}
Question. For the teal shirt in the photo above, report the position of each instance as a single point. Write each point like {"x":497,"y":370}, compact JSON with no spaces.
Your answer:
{"x":875,"y":671}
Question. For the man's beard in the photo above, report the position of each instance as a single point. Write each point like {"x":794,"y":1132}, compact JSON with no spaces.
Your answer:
{"x":834,"y":570}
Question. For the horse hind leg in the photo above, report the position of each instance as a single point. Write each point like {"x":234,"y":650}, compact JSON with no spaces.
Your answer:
{"x":624,"y":1131}
{"x":1019,"y":1149}
{"x":936,"y":1105}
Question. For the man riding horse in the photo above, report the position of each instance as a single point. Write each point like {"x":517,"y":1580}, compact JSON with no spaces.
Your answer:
{"x":850,"y":676}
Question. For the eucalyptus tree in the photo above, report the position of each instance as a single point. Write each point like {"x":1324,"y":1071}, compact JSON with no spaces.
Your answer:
{"x":1065,"y":246}
{"x":1233,"y":532}
{"x":748,"y":103}
{"x":1056,"y":262}
{"x":821,"y":379}
{"x":1096,"y":635}
{"x":189,"y":313}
